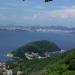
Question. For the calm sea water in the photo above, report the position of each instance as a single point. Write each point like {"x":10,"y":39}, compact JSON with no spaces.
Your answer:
{"x":9,"y":41}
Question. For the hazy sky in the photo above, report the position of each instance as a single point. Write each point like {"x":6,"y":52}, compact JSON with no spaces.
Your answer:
{"x":37,"y":12}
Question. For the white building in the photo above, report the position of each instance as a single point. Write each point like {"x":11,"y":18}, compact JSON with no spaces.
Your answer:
{"x":9,"y":72}
{"x":19,"y":72}
{"x":31,"y":55}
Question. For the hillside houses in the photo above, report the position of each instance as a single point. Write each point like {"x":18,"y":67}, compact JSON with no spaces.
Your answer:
{"x":32,"y":55}
{"x":4,"y":70}
{"x":49,"y":54}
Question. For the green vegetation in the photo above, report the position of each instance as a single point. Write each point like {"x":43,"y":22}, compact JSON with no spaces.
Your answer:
{"x":60,"y":65}
{"x":38,"y":46}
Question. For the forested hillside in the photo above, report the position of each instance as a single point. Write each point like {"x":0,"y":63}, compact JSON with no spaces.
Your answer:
{"x":37,"y":47}
{"x":63,"y":64}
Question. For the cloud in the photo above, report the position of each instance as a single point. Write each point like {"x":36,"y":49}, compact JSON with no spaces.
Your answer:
{"x":63,"y":15}
{"x":67,"y":14}
{"x":60,"y":14}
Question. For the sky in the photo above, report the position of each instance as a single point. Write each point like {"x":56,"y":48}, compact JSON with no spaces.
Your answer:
{"x":37,"y":12}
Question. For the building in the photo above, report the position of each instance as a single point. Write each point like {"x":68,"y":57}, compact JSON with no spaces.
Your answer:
{"x":31,"y":55}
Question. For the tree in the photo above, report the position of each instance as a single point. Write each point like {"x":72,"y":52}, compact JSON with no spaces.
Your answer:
{"x":45,"y":0}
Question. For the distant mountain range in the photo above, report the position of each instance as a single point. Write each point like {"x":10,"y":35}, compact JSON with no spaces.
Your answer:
{"x":37,"y":28}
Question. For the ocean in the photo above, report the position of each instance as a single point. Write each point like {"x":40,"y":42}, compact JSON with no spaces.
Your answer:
{"x":10,"y":40}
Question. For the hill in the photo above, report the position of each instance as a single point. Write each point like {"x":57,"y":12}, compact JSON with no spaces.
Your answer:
{"x":61,"y":65}
{"x":39,"y":47}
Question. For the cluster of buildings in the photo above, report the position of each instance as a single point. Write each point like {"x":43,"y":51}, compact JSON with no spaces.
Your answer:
{"x":32,"y":55}
{"x":5,"y":70}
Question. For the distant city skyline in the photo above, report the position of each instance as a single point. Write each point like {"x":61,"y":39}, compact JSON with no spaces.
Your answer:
{"x":37,"y":12}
